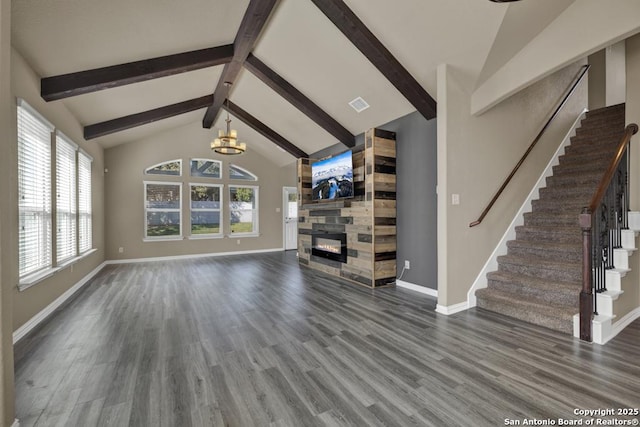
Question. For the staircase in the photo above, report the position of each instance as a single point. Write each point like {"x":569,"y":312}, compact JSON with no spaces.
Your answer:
{"x":539,"y":280}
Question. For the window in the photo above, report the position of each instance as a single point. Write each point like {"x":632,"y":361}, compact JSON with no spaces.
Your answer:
{"x":66,"y":230}
{"x":236,"y":172}
{"x":206,"y":168}
{"x":85,"y":215}
{"x":243,"y":209}
{"x":34,"y":191}
{"x":205,"y":210}
{"x":172,"y":168}
{"x":162,"y":210}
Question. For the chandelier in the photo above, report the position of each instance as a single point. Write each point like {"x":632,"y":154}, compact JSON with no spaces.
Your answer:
{"x":227,"y":142}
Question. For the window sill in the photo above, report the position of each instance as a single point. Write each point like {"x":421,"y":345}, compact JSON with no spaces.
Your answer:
{"x":206,"y":236}
{"x":33,"y":279}
{"x":239,"y":235}
{"x":162,"y":239}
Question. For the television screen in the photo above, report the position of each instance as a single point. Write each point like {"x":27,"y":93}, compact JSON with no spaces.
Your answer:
{"x":332,"y":178}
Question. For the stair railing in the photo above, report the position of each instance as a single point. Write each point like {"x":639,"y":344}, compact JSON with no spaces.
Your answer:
{"x":602,"y":223}
{"x":506,"y":182}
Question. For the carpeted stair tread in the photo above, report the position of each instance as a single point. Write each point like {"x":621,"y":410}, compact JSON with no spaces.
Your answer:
{"x":556,"y":317}
{"x":539,"y":279}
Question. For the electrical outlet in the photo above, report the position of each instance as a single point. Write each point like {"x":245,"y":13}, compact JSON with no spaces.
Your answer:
{"x":238,"y":241}
{"x":407,"y":264}
{"x":455,"y":199}
{"x":121,"y":249}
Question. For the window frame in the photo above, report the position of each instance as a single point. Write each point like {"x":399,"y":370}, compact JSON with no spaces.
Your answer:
{"x":85,"y":198}
{"x":147,"y":171}
{"x":199,"y":159}
{"x":253,"y":176}
{"x":180,"y":235}
{"x":66,"y":211}
{"x":45,"y":257}
{"x":220,"y":210}
{"x":255,"y":211}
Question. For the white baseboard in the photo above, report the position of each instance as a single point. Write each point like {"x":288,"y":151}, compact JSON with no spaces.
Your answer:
{"x":35,"y":320}
{"x":452,"y":309}
{"x":518,"y":219}
{"x":417,"y":288}
{"x":178,"y":257}
{"x":625,"y":321}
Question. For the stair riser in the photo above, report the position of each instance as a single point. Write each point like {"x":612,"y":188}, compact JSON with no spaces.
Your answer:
{"x":574,"y":180}
{"x":583,"y":147}
{"x":544,"y":272}
{"x":558,"y":324}
{"x":540,"y":219}
{"x":568,"y":194}
{"x":555,"y":235}
{"x":552,"y":206}
{"x":594,"y":160}
{"x":550,"y":254}
{"x":548,"y":296}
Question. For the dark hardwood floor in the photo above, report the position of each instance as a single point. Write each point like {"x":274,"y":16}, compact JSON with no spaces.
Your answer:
{"x":258,"y":340}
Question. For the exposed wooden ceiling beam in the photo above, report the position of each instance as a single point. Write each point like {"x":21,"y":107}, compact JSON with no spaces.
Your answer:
{"x":127,"y":122}
{"x":264,"y":130}
{"x":299,"y":100}
{"x":254,"y":20}
{"x":67,"y":85}
{"x":355,"y":30}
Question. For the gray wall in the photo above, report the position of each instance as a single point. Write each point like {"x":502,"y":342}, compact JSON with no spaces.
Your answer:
{"x":416,"y":195}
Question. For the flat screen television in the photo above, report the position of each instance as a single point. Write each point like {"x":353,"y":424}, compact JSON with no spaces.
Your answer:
{"x":332,"y":178}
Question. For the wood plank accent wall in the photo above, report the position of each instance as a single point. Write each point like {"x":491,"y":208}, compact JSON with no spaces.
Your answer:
{"x":368,"y":219}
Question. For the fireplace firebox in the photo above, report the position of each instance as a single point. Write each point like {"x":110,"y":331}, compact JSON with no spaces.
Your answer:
{"x":330,"y":245}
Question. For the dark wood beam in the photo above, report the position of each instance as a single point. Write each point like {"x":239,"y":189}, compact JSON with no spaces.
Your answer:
{"x":254,"y":20}
{"x":150,"y":116}
{"x":67,"y":85}
{"x":264,"y":130}
{"x":299,"y":100}
{"x":355,"y":30}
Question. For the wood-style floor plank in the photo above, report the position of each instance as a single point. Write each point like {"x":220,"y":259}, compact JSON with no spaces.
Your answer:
{"x":261,"y":341}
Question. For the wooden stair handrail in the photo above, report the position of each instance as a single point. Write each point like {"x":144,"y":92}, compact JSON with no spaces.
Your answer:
{"x":629,"y":131}
{"x":506,"y":182}
{"x":586,"y":220}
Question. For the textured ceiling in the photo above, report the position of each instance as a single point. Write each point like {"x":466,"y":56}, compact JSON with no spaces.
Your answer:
{"x":299,"y":43}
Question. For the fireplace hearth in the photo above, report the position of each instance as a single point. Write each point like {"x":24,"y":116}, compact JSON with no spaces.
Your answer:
{"x":332,"y":246}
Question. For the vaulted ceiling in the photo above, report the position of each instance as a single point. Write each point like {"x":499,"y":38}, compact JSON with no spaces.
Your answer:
{"x":299,"y":48}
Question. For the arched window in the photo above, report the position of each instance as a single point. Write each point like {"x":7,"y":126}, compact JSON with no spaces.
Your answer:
{"x":172,"y":168}
{"x":236,"y":172}
{"x":206,"y":168}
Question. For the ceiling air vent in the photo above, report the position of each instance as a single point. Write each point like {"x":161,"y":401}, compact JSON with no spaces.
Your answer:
{"x":359,"y":104}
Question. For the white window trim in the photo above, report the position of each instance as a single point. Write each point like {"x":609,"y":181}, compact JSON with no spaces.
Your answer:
{"x":256,"y":195}
{"x":145,"y":210}
{"x":219,"y":234}
{"x":33,"y":279}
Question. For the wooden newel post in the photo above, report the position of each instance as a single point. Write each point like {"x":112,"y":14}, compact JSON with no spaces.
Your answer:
{"x":586,"y":295}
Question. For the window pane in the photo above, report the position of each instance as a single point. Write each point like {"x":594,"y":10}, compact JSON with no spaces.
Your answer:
{"x":66,"y":236}
{"x":236,"y":172}
{"x":173,"y":167}
{"x":242,"y":209}
{"x":242,"y":198}
{"x":205,"y":222}
{"x":84,"y":203}
{"x":163,"y":196}
{"x":163,"y":209}
{"x":163,"y":224}
{"x":205,"y":168}
{"x":34,"y":191}
{"x":205,"y":197}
